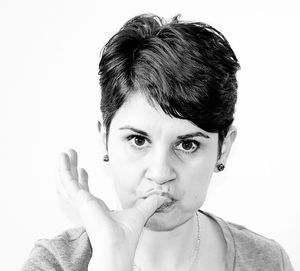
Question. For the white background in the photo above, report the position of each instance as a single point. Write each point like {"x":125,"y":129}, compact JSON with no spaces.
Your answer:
{"x":49,"y":101}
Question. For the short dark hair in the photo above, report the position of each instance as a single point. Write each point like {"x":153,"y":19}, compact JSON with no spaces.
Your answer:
{"x":188,"y":68}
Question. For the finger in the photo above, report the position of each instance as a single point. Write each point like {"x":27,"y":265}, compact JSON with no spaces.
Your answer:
{"x":73,"y":157}
{"x":64,"y":172}
{"x":89,"y":207}
{"x":60,"y":189}
{"x":69,"y":185}
{"x":74,"y":162}
{"x":64,"y":162}
{"x":148,"y":206}
{"x":83,"y":179}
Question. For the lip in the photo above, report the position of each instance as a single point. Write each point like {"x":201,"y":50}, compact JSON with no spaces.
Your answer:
{"x":166,"y":208}
{"x":168,"y":195}
{"x":163,"y":194}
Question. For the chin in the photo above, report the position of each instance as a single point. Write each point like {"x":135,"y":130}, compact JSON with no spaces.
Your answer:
{"x":160,"y":222}
{"x":165,"y":221}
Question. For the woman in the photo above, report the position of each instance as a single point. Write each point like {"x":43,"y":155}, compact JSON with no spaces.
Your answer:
{"x":168,"y":98}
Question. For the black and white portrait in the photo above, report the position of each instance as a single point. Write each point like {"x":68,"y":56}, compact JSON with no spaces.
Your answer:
{"x":153,"y":135}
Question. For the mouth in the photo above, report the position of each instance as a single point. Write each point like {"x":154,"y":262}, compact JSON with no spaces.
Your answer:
{"x":166,"y":207}
{"x":164,"y":194}
{"x":168,"y":195}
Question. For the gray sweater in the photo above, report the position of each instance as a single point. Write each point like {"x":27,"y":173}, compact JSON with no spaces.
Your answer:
{"x":246,"y":250}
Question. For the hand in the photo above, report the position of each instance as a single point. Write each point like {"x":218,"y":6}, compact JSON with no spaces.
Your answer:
{"x":113,"y":235}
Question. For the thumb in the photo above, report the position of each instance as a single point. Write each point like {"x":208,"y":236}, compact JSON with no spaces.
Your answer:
{"x":148,"y":206}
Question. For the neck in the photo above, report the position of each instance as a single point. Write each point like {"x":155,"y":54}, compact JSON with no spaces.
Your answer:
{"x":168,"y":250}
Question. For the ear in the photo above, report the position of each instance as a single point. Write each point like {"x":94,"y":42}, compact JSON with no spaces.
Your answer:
{"x":102,"y":134}
{"x":226,"y":146}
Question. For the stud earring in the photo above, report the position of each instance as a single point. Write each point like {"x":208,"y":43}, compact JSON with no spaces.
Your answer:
{"x":220,"y":167}
{"x":105,"y":158}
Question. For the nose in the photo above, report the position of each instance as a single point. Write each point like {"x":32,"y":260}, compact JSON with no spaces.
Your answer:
{"x":160,"y":169}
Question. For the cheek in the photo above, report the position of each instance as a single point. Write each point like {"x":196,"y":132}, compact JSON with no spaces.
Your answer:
{"x":197,"y":178}
{"x":124,"y":184}
{"x":125,"y":176}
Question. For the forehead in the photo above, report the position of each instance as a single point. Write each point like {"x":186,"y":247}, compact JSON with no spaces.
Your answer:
{"x":138,"y":112}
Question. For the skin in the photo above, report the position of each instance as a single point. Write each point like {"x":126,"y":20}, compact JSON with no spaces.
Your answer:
{"x":136,"y":168}
{"x":138,"y":163}
{"x":137,"y":233}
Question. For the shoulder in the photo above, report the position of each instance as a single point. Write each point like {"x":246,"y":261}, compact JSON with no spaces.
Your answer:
{"x":70,"y":250}
{"x":251,"y":250}
{"x":254,"y":249}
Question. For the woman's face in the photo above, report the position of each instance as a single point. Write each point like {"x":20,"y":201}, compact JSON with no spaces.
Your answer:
{"x":147,"y":147}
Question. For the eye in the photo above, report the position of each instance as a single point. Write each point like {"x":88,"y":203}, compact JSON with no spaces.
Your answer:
{"x":189,"y":146}
{"x":137,"y":141}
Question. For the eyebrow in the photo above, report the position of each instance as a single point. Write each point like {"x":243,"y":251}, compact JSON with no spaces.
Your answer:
{"x":181,"y":137}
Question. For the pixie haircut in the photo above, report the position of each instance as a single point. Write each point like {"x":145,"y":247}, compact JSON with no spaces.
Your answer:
{"x":187,"y":68}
